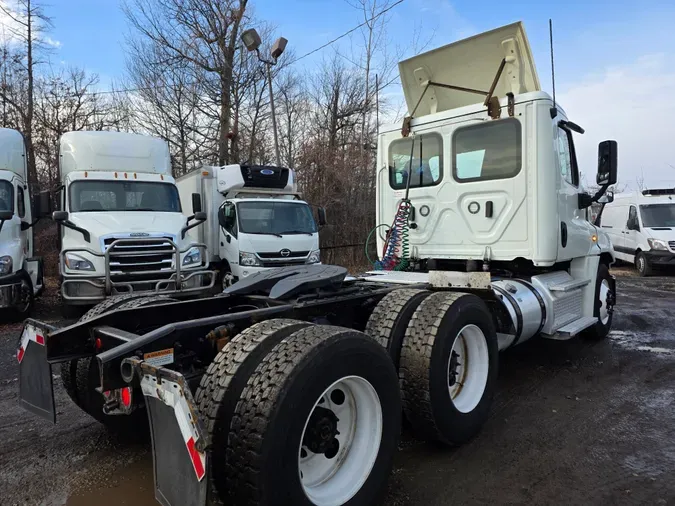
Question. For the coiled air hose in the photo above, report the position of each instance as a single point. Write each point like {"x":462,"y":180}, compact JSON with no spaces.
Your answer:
{"x":395,"y":254}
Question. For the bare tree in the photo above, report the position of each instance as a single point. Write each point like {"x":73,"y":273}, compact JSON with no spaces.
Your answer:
{"x":30,"y":24}
{"x":202,"y":34}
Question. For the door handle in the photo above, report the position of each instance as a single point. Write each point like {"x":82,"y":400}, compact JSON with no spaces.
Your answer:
{"x":489,"y":209}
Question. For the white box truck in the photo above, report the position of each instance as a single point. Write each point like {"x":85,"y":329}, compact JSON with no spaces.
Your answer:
{"x":123,"y":228}
{"x":256,"y":219}
{"x":641,"y":225}
{"x":20,"y":273}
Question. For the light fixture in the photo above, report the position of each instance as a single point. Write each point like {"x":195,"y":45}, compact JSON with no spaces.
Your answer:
{"x":251,"y":39}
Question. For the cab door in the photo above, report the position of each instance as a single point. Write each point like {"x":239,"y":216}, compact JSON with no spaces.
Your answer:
{"x":229,"y":249}
{"x":574,"y":230}
{"x":632,"y":233}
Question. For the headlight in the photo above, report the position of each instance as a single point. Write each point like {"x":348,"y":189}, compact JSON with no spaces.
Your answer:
{"x":248,"y":259}
{"x":77,"y":263}
{"x":658,"y":244}
{"x":5,"y":265}
{"x":314,"y":257}
{"x":193,"y":256}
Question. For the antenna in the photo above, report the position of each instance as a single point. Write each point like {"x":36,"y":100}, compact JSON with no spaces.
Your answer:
{"x":554,"y":109}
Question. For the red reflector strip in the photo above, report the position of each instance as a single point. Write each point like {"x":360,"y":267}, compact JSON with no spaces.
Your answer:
{"x":40,"y":339}
{"x":196,"y":458}
{"x":19,"y":354}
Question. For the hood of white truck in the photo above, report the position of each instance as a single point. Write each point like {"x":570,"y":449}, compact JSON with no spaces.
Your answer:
{"x":103,"y":224}
{"x":663,"y":233}
{"x":263,"y":243}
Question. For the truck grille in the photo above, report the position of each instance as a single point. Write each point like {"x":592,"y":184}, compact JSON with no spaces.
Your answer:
{"x":140,"y":256}
{"x":277,"y":254}
{"x":672,"y":245}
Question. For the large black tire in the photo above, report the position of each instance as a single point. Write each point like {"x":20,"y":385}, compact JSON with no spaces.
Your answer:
{"x":389,"y":320}
{"x":69,"y":368}
{"x":269,"y":421}
{"x":643,"y":265}
{"x":80,"y":378}
{"x":28,"y":299}
{"x":425,"y":359}
{"x":221,"y":386}
{"x":601,"y":330}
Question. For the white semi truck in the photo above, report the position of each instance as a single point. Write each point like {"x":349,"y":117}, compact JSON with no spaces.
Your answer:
{"x":20,"y":273}
{"x":122,"y":225}
{"x":288,"y":388}
{"x":256,"y":219}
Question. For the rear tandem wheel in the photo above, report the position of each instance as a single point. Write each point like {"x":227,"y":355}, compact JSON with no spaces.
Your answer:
{"x":323,"y":400}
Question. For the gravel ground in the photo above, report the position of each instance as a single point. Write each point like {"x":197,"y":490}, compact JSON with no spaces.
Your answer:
{"x":573,"y":423}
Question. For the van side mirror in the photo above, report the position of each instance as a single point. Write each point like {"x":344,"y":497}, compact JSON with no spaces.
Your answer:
{"x":321,"y":212}
{"x":633,"y":224}
{"x":196,"y":203}
{"x":607,"y":163}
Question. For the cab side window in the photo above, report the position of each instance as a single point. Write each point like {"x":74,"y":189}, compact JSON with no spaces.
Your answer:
{"x":231,"y":213}
{"x":633,"y":223}
{"x":567,"y":158}
{"x":20,"y":202}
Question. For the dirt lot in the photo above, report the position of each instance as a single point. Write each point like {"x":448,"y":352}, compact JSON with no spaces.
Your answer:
{"x":574,"y":423}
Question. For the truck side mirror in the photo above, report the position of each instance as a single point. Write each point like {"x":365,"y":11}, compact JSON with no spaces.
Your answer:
{"x":321,"y":212}
{"x":607,"y":163}
{"x":196,"y":203}
{"x":6,"y":215}
{"x":43,"y":205}
{"x":200,"y":216}
{"x":60,"y":216}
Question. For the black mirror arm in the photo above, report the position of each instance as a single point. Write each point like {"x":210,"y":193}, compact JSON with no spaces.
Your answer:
{"x":190,"y":225}
{"x":85,"y":233}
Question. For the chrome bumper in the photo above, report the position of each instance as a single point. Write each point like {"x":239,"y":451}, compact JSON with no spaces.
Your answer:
{"x":173,"y":280}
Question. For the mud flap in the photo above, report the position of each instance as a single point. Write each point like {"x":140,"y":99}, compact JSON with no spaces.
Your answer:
{"x":36,"y":388}
{"x":179,"y":441}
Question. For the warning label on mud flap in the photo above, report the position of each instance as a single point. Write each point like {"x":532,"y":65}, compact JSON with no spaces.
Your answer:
{"x":159,"y":358}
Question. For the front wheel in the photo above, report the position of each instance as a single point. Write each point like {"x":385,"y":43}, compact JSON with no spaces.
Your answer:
{"x":603,"y":308}
{"x":643,"y":265}
{"x":26,"y":299}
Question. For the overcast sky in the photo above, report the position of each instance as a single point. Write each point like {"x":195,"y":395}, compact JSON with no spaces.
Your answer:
{"x":615,"y":61}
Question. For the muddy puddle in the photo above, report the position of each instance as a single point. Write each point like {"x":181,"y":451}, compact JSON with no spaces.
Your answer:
{"x":132,"y":486}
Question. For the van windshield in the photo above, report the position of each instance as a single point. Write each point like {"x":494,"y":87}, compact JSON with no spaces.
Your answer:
{"x":658,"y":215}
{"x":92,"y":196}
{"x":275,"y":218}
{"x":6,"y":196}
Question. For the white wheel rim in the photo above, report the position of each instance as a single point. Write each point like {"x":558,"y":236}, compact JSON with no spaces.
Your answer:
{"x":604,"y":308}
{"x":641,"y":264}
{"x":467,"y":384}
{"x":334,"y":481}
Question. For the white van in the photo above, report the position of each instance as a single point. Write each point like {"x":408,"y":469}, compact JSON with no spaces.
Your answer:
{"x":641,"y":226}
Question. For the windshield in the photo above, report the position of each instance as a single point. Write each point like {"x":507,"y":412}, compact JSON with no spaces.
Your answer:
{"x":658,"y":215}
{"x":275,"y":218}
{"x":6,"y":196}
{"x":92,"y":196}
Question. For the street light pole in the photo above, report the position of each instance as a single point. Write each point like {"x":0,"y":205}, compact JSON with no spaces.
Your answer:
{"x":274,"y":116}
{"x":252,"y":41}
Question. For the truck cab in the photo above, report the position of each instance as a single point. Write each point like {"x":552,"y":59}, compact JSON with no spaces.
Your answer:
{"x":494,"y":182}
{"x":256,"y":219}
{"x":20,"y":273}
{"x":123,"y":229}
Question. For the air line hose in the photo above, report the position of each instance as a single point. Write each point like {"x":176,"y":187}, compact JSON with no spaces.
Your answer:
{"x":395,"y":255}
